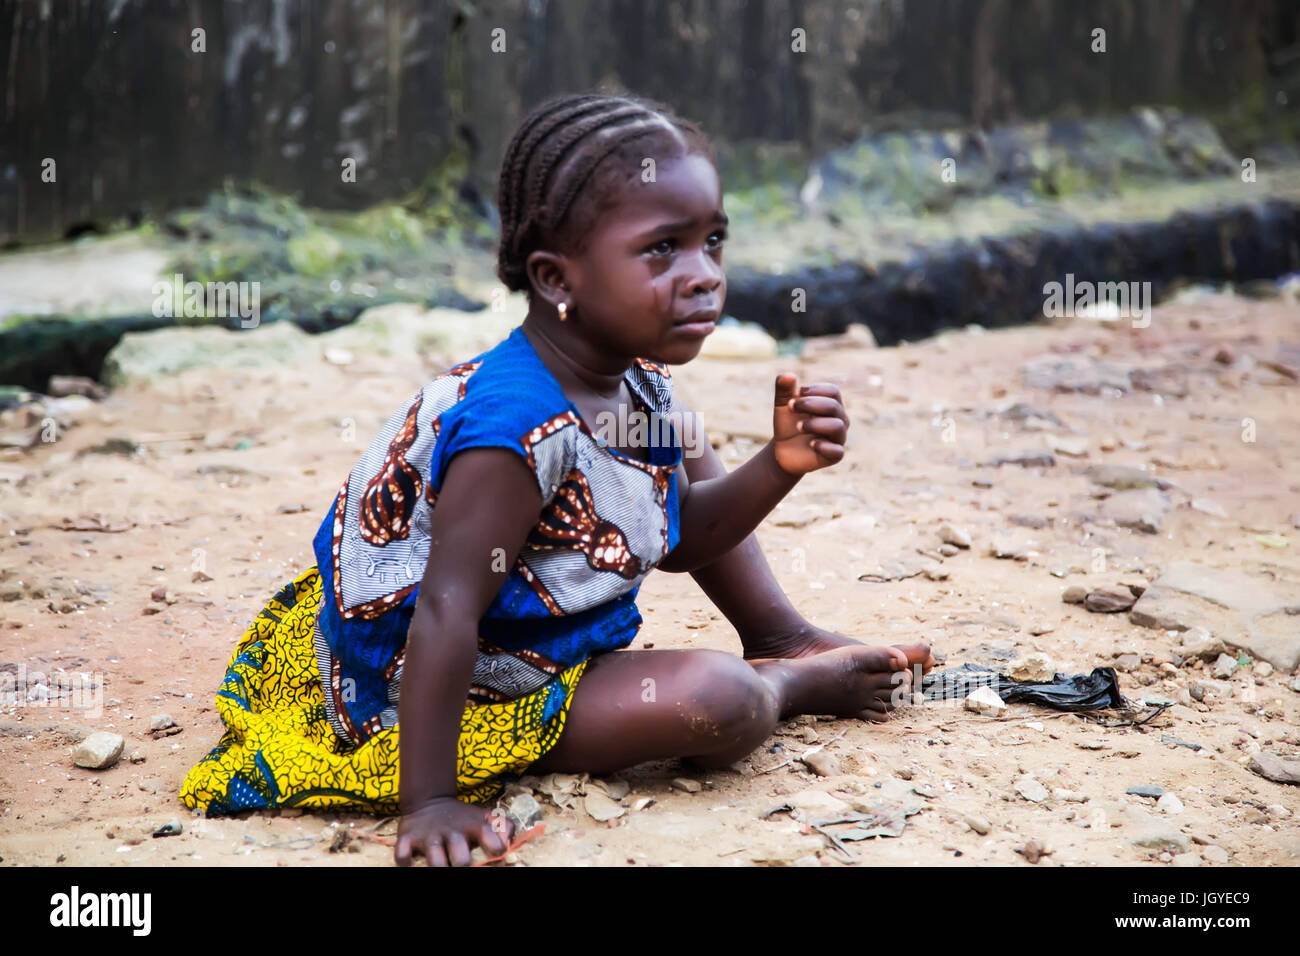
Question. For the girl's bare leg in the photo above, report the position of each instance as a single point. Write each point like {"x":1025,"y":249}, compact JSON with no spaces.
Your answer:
{"x":712,"y":707}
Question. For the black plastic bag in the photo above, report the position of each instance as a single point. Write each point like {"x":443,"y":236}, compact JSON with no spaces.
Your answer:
{"x":1096,"y":691}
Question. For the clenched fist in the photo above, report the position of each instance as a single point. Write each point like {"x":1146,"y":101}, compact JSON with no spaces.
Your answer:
{"x":809,"y":425}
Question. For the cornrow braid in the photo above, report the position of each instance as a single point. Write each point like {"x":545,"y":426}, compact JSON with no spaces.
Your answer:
{"x":565,"y":159}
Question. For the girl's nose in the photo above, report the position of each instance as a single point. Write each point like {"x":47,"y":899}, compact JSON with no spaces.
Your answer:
{"x":703,"y":274}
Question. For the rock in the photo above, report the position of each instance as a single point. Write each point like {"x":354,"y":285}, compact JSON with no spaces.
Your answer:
{"x":823,"y":764}
{"x":524,"y":810}
{"x":1159,"y":838}
{"x":1040,"y":628}
{"x":600,"y":807}
{"x":1295,"y":684}
{"x":740,"y":342}
{"x":1120,"y":477}
{"x":687,"y":785}
{"x":640,"y":803}
{"x":1109,"y":600}
{"x":947,"y":550}
{"x":985,"y":700}
{"x":1074,"y":594}
{"x":936,"y":574}
{"x":1224,"y":665}
{"x":1198,"y":642}
{"x":1215,"y":854}
{"x":1169,"y":803}
{"x":99,"y":751}
{"x":1076,"y":374}
{"x":1141,"y":510}
{"x":1029,"y":458}
{"x":1275,"y":541}
{"x":1069,"y":796}
{"x":1206,"y":506}
{"x":1032,"y":419}
{"x":136,"y":756}
{"x":1127,"y":663}
{"x":899,"y":568}
{"x":1033,"y":851}
{"x":1273,"y":767}
{"x":1029,"y":521}
{"x":148,"y":356}
{"x":1031,"y":789}
{"x":1252,"y":609}
{"x":161,"y":722}
{"x":63,"y":385}
{"x":1035,"y":668}
{"x":1072,"y":446}
{"x":1186,"y":859}
{"x":978,"y":824}
{"x":958,"y":537}
{"x":1262,"y":669}
{"x":1146,"y":790}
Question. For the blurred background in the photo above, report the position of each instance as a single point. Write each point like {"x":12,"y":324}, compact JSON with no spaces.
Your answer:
{"x":911,"y":166}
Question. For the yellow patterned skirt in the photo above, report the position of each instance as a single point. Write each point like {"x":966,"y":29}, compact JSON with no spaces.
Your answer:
{"x":280,"y":751}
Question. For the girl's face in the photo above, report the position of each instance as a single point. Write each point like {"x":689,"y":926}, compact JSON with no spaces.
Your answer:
{"x":650,"y":282}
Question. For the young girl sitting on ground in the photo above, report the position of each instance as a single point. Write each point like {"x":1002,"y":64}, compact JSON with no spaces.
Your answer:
{"x":483,"y":556}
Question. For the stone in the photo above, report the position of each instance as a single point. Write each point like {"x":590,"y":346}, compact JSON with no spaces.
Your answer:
{"x":136,"y":756}
{"x":1245,"y":610}
{"x":99,"y":751}
{"x":740,"y":342}
{"x":1160,"y":838}
{"x":978,"y":824}
{"x":1206,"y":506}
{"x":613,"y":787}
{"x":1169,"y":803}
{"x":1030,"y":458}
{"x":1215,"y":854}
{"x":1072,"y":446}
{"x":1262,"y":669}
{"x":1127,"y":663}
{"x":1223,"y":667}
{"x":985,"y":700}
{"x":687,"y":785}
{"x":947,"y":550}
{"x":1109,"y":600}
{"x":1186,"y":859}
{"x":1274,"y":767}
{"x":161,"y":722}
{"x":1119,"y":477}
{"x":1076,"y":374}
{"x":1074,"y":594}
{"x":1035,"y":668}
{"x":1198,"y":642}
{"x":823,"y":764}
{"x":600,"y":807}
{"x":1142,"y":510}
{"x":1146,"y":790}
{"x":1031,"y":789}
{"x":958,"y":537}
{"x":148,"y":356}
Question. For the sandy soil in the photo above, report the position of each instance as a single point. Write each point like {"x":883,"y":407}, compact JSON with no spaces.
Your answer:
{"x":237,"y":470}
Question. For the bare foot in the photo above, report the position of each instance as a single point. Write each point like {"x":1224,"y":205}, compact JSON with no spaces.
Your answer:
{"x":809,"y":641}
{"x":852,"y":681}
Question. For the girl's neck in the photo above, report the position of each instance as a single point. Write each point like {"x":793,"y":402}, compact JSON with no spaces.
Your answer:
{"x":572,"y":360}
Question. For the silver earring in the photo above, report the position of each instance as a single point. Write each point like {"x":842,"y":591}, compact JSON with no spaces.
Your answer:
{"x":563,"y":309}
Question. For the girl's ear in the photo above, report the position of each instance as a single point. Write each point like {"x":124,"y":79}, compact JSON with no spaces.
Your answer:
{"x":547,"y":271}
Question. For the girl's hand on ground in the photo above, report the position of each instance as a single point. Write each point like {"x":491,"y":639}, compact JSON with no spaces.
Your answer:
{"x":446,"y":830}
{"x":809,"y":425}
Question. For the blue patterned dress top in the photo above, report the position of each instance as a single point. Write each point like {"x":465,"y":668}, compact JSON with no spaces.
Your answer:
{"x":606,"y":521}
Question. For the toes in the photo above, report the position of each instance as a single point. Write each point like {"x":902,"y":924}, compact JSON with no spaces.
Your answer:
{"x":916,"y":654}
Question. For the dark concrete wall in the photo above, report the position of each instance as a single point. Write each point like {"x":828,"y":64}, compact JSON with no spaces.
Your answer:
{"x":137,"y":122}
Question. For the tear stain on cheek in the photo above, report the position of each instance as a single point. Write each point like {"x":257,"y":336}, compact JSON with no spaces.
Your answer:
{"x":663,"y":287}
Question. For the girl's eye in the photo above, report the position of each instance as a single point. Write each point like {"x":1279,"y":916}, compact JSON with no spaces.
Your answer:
{"x":661,"y":248}
{"x":717,"y":239}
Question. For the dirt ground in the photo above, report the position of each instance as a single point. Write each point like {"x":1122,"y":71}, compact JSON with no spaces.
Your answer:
{"x":237,"y":470}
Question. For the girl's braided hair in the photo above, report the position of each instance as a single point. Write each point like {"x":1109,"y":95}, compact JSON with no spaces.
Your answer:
{"x":564,"y":164}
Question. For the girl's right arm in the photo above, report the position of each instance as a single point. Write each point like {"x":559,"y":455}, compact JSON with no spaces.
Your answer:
{"x":488,"y":504}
